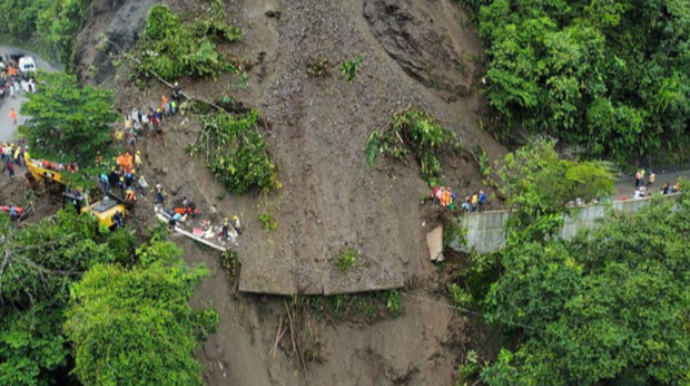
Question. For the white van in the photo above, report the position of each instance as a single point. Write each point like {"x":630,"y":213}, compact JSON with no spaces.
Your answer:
{"x":27,"y":64}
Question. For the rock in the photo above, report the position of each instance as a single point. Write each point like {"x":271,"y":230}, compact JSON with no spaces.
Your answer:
{"x":273,"y":14}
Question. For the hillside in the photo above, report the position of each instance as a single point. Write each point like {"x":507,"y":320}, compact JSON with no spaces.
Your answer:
{"x":324,"y":126}
{"x":417,"y":53}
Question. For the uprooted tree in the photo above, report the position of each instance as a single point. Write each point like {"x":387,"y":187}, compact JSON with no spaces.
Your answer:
{"x":415,"y":132}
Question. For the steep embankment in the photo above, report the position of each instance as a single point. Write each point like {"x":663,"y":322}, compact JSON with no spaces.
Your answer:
{"x":415,"y":53}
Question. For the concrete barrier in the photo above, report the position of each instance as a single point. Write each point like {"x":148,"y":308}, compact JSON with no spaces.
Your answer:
{"x":485,"y":231}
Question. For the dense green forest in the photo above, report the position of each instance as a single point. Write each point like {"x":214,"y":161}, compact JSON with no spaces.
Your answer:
{"x":65,"y":281}
{"x":608,"y":307}
{"x":52,"y":25}
{"x":611,"y":77}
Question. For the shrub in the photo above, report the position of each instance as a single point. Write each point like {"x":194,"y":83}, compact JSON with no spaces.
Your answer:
{"x":412,"y":130}
{"x":269,"y":223}
{"x":229,"y":262}
{"x":460,"y":297}
{"x":393,"y":305}
{"x":236,"y":152}
{"x":173,"y":48}
{"x":349,"y":69}
{"x":347,"y":260}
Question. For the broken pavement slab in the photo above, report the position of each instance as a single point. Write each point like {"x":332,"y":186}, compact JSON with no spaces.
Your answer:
{"x":434,"y":241}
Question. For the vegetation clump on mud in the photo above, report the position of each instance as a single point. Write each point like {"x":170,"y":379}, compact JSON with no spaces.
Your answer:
{"x":173,"y":48}
{"x":415,"y":131}
{"x":236,"y":153}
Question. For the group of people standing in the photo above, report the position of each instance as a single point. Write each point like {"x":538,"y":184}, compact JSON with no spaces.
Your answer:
{"x":142,"y":121}
{"x":641,"y":185}
{"x":447,"y":199}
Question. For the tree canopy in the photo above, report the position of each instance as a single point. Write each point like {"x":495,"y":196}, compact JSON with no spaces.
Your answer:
{"x":610,"y":77}
{"x":51,"y":24}
{"x":39,"y":264}
{"x":69,"y":123}
{"x":63,"y":280}
{"x":539,"y":186}
{"x":612,"y":305}
{"x":136,"y":327}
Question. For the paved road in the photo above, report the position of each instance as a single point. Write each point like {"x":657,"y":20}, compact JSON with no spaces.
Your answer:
{"x":626,"y":185}
{"x":7,"y":129}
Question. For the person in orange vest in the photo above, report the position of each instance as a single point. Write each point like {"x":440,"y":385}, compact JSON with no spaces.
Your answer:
{"x":164,"y":102}
{"x":13,"y":115}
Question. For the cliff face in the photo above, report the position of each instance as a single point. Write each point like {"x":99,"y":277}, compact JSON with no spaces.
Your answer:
{"x":119,"y":20}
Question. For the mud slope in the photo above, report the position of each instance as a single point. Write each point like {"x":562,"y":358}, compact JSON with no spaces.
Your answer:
{"x":415,"y":53}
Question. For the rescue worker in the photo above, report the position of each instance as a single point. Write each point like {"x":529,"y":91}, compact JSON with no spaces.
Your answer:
{"x":137,"y":159}
{"x":159,"y":194}
{"x":475,"y":201}
{"x":226,"y":226}
{"x":117,"y":219}
{"x":482,"y":200}
{"x":10,"y":168}
{"x":238,"y":227}
{"x":174,"y":220}
{"x":177,"y":92}
{"x":13,"y":213}
{"x":131,"y":195}
{"x":13,"y":115}
{"x":142,"y":185}
{"x":122,"y":186}
{"x":105,"y":182}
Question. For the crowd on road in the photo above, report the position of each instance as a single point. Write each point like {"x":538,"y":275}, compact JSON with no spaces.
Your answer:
{"x":11,"y":86}
{"x":643,"y":186}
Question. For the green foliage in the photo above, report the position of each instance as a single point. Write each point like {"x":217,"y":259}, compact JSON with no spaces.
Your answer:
{"x":609,"y":76}
{"x":393,"y":303}
{"x":367,"y":306}
{"x":39,"y":264}
{"x":136,"y":327}
{"x":460,"y":298}
{"x":69,"y":123}
{"x":269,"y":223}
{"x":230,"y":262}
{"x":538,"y":186}
{"x":412,"y":131}
{"x":236,"y":153}
{"x":349,"y":69}
{"x":469,"y":370}
{"x":51,"y":24}
{"x":122,"y":245}
{"x":174,"y":48}
{"x":609,"y":307}
{"x":454,"y":232}
{"x":346,"y":260}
